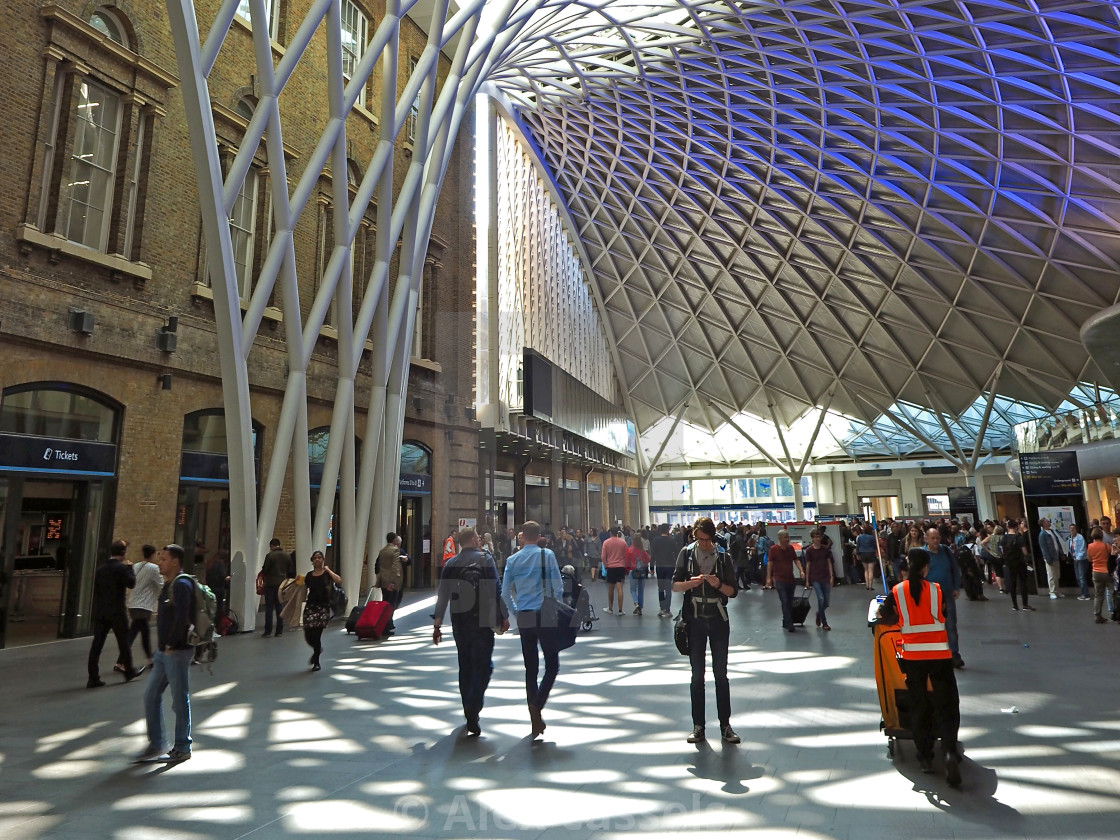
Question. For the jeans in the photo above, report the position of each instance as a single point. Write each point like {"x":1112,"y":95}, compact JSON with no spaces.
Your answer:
{"x":823,"y":590}
{"x":1082,"y":568}
{"x":271,"y":604}
{"x":664,"y":587}
{"x":940,"y":708}
{"x":475,"y":646}
{"x":786,"y":592}
{"x":713,"y":633}
{"x":169,"y":669}
{"x":1102,"y":582}
{"x":531,"y":637}
{"x":637,"y":590}
{"x":118,"y":626}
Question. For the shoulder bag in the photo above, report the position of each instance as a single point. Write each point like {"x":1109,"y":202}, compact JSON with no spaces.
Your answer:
{"x":558,"y":619}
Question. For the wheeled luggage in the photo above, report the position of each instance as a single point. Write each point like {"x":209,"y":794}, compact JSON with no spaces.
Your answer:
{"x":894,"y":699}
{"x":800,"y":607}
{"x":374,"y":619}
{"x":356,"y":613}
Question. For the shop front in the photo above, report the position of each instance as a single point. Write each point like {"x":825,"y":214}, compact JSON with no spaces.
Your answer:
{"x":414,"y":512}
{"x":58,"y":470}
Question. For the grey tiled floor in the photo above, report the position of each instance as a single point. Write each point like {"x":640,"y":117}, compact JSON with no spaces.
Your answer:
{"x":370,"y":746}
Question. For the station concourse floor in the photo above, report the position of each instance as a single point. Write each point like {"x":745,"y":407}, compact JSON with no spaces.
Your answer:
{"x":372,"y":746}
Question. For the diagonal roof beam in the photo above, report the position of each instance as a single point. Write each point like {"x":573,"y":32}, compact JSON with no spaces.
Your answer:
{"x":816,"y":431}
{"x":993,"y":385}
{"x":913,"y":430}
{"x":761,"y":449}
{"x":661,"y":449}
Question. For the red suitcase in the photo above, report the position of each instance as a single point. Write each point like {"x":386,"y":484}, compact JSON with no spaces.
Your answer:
{"x":374,"y":619}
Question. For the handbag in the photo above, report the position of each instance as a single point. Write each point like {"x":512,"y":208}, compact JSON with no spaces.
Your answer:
{"x":260,"y":583}
{"x":680,"y":634}
{"x":558,"y":619}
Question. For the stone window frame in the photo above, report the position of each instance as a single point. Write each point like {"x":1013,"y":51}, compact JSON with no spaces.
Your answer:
{"x":76,"y":50}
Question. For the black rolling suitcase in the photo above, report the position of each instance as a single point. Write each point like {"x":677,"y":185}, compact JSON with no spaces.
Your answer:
{"x":356,"y":613}
{"x":800,"y":607}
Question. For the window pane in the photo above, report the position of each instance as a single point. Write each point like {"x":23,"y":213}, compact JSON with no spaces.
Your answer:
{"x":354,"y":29}
{"x":762,"y":488}
{"x":241,"y":230}
{"x":56,"y":413}
{"x":784,"y":488}
{"x":92,"y":164}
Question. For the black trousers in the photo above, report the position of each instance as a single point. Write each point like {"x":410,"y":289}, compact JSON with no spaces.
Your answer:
{"x":475,"y":646}
{"x":528,"y":627}
{"x":118,"y":626}
{"x":140,"y":626}
{"x":716,"y":634}
{"x":936,"y":713}
{"x":1015,"y":581}
{"x":664,"y":586}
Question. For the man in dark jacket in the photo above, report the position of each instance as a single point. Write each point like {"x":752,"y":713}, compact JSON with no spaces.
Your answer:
{"x":108,"y":614}
{"x":469,"y":584}
{"x":663,"y":555}
{"x":277,"y":568}
{"x":171,"y":664}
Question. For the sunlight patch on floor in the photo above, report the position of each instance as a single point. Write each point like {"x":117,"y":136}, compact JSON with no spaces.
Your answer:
{"x":550,"y":808}
{"x":877,"y":792}
{"x":336,"y":818}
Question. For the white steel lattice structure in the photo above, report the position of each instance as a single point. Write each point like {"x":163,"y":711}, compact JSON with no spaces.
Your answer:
{"x":786,"y":204}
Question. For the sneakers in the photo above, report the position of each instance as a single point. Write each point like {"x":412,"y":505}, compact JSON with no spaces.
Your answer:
{"x":1082,"y":597}
{"x":608,"y":611}
{"x":728,"y":735}
{"x":175,"y":756}
{"x":1100,"y":619}
{"x":637,"y":610}
{"x":1053,"y":597}
{"x":825,"y":627}
{"x":1014,"y":609}
{"x":149,"y":754}
{"x":473,"y":727}
{"x":95,"y":683}
{"x":953,"y":769}
{"x":697,"y":735}
{"x":1028,"y":609}
{"x":664,"y":614}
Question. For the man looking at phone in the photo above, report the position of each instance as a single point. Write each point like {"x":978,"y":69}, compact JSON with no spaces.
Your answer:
{"x":706,"y":576}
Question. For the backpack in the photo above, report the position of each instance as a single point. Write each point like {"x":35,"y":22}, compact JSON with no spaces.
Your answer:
{"x":205,"y":625}
{"x":762,"y":547}
{"x":472,"y":574}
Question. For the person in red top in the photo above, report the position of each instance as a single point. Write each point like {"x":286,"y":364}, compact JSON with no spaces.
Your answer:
{"x":818,"y":574}
{"x":927,"y":661}
{"x":1098,"y":556}
{"x":779,"y":574}
{"x":614,"y":560}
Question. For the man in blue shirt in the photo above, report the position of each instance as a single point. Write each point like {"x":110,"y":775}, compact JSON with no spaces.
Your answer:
{"x":530,"y":575}
{"x":943,"y":570}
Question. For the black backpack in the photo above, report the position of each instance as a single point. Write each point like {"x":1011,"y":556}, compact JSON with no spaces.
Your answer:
{"x":471,"y":575}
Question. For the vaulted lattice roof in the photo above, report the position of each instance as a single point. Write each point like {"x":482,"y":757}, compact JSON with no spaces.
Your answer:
{"x":858,"y":203}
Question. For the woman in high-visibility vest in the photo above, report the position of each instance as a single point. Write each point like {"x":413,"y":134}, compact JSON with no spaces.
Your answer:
{"x":927,"y":662}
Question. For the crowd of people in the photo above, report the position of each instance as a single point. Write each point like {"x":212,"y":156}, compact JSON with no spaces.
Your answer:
{"x":491,"y":584}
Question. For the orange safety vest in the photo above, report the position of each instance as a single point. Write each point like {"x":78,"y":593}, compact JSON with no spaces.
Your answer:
{"x":449,"y":549}
{"x":923,"y":629}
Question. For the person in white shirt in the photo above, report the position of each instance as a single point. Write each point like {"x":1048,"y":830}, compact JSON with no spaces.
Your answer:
{"x":142,"y":602}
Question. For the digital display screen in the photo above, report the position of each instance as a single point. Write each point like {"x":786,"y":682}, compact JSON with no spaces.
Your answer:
{"x":55,"y":528}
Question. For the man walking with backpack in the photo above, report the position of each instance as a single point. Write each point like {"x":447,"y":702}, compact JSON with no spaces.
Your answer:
{"x":171,"y":663}
{"x":469,"y":584}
